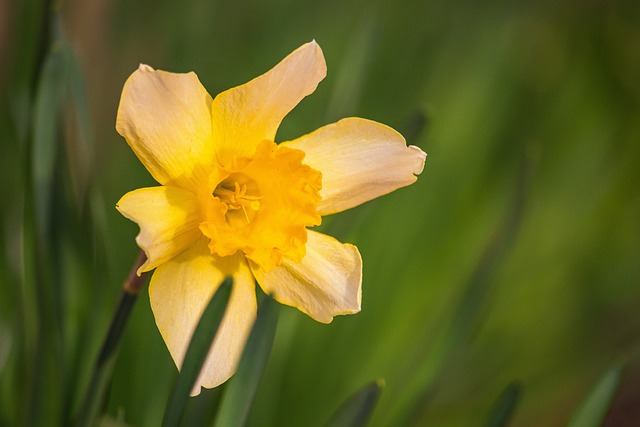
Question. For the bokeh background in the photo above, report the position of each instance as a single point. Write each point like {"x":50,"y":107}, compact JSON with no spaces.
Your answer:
{"x":511,"y":266}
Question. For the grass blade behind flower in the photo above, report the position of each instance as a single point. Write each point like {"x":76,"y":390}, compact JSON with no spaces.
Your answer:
{"x":239,"y":394}
{"x":357,"y":409}
{"x":197,"y":352}
{"x":46,"y":126}
{"x":505,"y":406}
{"x":43,"y":331}
{"x":445,"y":354}
{"x":347,"y":90}
{"x":595,"y":406}
{"x":80,"y":147}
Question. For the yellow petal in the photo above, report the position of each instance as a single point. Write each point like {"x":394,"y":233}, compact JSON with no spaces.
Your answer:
{"x":168,"y":218}
{"x":327,"y":282}
{"x":359,"y":160}
{"x":166,"y":119}
{"x":179,"y":291}
{"x":247,"y":114}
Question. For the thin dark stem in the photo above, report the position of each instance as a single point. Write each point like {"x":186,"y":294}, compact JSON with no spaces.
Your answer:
{"x":134,"y":283}
{"x":130,"y":290}
{"x":94,"y":397}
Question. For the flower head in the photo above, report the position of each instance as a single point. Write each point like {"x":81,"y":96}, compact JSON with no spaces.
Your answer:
{"x":233,"y":202}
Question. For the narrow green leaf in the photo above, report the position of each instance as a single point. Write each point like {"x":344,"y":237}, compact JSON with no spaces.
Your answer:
{"x":505,"y":406}
{"x":80,"y":148}
{"x":241,"y":390}
{"x":5,"y":345}
{"x":197,"y":352}
{"x":46,"y":364}
{"x":357,"y":409}
{"x":101,"y":376}
{"x":443,"y":354}
{"x":107,"y":421}
{"x":202,"y":409}
{"x":593,"y":409}
{"x":46,"y":126}
{"x":350,"y":79}
{"x":414,"y":126}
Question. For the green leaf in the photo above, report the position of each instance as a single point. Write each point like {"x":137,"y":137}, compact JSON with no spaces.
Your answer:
{"x":357,"y":409}
{"x":448,"y":350}
{"x":593,"y":409}
{"x":414,"y":126}
{"x":5,"y":345}
{"x":241,"y":390}
{"x":80,"y":150}
{"x":197,"y":352}
{"x":505,"y":406}
{"x":46,"y":127}
{"x":46,"y":358}
{"x":351,"y":76}
{"x":103,"y":369}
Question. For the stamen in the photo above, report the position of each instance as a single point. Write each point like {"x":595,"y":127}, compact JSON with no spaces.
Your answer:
{"x":237,"y":198}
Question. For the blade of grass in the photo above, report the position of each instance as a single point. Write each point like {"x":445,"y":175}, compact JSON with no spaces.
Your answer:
{"x":505,"y":406}
{"x":594,"y":408}
{"x":202,"y":409}
{"x":46,"y":365}
{"x":5,"y":345}
{"x":94,"y":397}
{"x":452,"y":343}
{"x":357,"y":409}
{"x":46,"y":126}
{"x":80,"y":146}
{"x":196,"y":354}
{"x":239,"y":394}
{"x":346,"y":93}
{"x":414,"y":126}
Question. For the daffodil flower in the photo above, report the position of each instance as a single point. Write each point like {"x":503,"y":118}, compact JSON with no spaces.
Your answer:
{"x":233,"y":202}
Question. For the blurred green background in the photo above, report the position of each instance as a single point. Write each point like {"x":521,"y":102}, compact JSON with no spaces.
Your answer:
{"x":512,"y":264}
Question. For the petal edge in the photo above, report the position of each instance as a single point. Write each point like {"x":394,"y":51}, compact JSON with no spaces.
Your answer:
{"x":166,"y":120}
{"x":247,"y":114}
{"x":168,"y":218}
{"x":179,"y":291}
{"x":359,"y":160}
{"x":326,"y":283}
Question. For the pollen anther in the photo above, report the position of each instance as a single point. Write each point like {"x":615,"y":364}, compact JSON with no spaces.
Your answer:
{"x":238,"y":198}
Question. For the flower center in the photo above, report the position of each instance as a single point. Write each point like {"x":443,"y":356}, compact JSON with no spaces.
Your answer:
{"x":263,"y":207}
{"x":233,"y":192}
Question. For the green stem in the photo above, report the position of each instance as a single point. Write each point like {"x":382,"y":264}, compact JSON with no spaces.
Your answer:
{"x":94,"y":397}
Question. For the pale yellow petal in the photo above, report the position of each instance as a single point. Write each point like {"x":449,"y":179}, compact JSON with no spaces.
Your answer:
{"x":166,"y":119}
{"x":327,"y":282}
{"x":179,"y":292}
{"x":168,"y":218}
{"x":245,"y":115}
{"x":359,"y":160}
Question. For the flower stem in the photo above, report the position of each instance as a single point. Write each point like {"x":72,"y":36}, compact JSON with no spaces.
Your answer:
{"x":94,"y":397}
